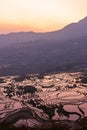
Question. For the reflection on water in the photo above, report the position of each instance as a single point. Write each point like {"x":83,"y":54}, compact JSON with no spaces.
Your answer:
{"x":33,"y":101}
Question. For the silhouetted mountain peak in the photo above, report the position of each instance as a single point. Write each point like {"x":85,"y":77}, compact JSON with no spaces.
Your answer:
{"x":84,"y":19}
{"x":73,"y":30}
{"x":73,"y":25}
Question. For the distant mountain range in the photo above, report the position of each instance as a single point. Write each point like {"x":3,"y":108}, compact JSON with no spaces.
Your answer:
{"x":74,"y":30}
{"x":29,"y":52}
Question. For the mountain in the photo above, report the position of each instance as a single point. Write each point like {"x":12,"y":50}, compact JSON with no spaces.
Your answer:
{"x":29,"y":52}
{"x":74,"y":30}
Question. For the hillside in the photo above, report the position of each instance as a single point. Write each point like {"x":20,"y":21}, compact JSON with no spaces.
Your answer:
{"x":43,"y":56}
{"x":47,"y":101}
{"x":73,"y":30}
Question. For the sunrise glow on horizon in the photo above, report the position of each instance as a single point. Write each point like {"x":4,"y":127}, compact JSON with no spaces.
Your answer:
{"x":39,"y":15}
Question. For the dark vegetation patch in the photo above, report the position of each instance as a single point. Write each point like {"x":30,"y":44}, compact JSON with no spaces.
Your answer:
{"x":21,"y":78}
{"x":24,"y":77}
{"x":29,"y":89}
{"x":59,"y":126}
{"x":49,"y":86}
{"x":84,"y":78}
{"x":2,"y":80}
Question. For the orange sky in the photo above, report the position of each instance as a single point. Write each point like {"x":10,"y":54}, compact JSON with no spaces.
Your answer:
{"x":39,"y":15}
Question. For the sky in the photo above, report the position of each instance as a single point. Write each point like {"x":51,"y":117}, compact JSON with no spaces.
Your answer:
{"x":39,"y":15}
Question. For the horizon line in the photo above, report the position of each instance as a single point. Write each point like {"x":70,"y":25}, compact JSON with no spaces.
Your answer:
{"x":13,"y":32}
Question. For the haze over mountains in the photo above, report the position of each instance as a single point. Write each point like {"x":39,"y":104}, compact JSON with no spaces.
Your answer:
{"x":29,"y":52}
{"x":70,"y":31}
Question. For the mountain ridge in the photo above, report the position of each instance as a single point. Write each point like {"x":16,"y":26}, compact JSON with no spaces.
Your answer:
{"x":70,"y":31}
